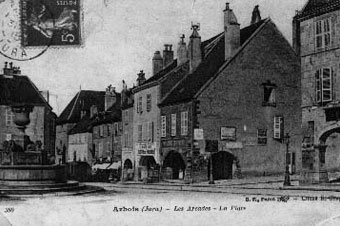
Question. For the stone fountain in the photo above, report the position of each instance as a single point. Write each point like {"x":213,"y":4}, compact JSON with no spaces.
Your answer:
{"x":25,"y":167}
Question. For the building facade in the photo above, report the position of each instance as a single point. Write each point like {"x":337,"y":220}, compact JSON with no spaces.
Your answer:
{"x":78,"y":107}
{"x":316,"y":40}
{"x":236,"y":106}
{"x":128,"y":156}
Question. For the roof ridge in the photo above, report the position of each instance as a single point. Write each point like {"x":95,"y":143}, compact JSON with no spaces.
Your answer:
{"x":175,"y":86}
{"x":74,"y":105}
{"x":265,"y":22}
{"x":38,"y":91}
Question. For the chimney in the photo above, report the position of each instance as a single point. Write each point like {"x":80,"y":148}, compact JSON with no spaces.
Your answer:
{"x":182,"y":51}
{"x":194,"y":48}
{"x":168,"y":55}
{"x":157,"y":63}
{"x":11,"y":70}
{"x":141,"y":78}
{"x":231,"y":33}
{"x":256,"y":16}
{"x":110,"y":97}
{"x":123,"y":94}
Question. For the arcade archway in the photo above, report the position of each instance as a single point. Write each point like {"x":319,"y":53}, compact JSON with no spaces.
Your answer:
{"x":175,"y":161}
{"x":222,"y":165}
{"x":148,"y":161}
{"x":127,"y":164}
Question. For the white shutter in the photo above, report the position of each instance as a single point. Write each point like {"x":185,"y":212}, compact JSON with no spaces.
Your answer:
{"x":163,"y":126}
{"x":278,"y":127}
{"x":173,"y":124}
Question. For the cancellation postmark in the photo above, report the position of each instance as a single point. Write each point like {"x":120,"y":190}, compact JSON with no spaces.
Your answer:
{"x":11,"y":36}
{"x":51,"y":22}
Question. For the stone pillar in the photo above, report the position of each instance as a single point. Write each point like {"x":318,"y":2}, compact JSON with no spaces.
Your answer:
{"x":313,"y":165}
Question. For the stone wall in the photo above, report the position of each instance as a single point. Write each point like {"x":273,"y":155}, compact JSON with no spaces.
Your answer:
{"x":235,"y":98}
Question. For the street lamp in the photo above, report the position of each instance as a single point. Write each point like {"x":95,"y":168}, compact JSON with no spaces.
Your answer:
{"x":287,"y":176}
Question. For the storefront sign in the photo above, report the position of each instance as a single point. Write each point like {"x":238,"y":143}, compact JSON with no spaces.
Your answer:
{"x":228,"y":133}
{"x":198,"y":134}
{"x":146,"y":148}
{"x":146,"y":152}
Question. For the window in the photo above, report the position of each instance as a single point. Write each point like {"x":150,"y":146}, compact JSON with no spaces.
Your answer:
{"x":108,"y":147}
{"x":148,"y":102}
{"x":278,"y":127}
{"x":100,"y":150}
{"x":173,"y":125}
{"x":323,"y":33}
{"x":108,"y":128}
{"x":9,"y":117}
{"x":116,"y":129}
{"x":126,"y":117}
{"x":269,"y":98}
{"x":140,"y":105}
{"x":101,"y":131}
{"x":140,"y":133}
{"x":126,"y":139}
{"x":163,"y":126}
{"x":184,"y":123}
{"x":151,"y":132}
{"x":323,"y":85}
{"x":262,"y":136}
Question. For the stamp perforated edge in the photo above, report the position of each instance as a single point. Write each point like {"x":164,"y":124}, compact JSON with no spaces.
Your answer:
{"x":81,"y":30}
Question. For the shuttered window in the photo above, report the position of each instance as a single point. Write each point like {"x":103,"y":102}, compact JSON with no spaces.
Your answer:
{"x":184,"y":123}
{"x":323,"y":85}
{"x":323,"y":33}
{"x":173,"y":125}
{"x":163,"y":126}
{"x":140,"y":133}
{"x":278,"y":127}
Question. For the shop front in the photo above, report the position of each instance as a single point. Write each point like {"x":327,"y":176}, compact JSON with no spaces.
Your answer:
{"x":148,"y":166}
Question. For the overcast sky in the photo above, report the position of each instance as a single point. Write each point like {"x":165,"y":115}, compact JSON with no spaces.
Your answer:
{"x":120,"y":37}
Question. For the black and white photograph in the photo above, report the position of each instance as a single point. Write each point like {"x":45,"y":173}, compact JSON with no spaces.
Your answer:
{"x":159,"y":112}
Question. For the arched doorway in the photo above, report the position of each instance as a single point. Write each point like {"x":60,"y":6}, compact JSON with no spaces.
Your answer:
{"x":127,"y":164}
{"x":328,"y":156}
{"x":148,"y":161}
{"x":175,"y":161}
{"x":222,"y":165}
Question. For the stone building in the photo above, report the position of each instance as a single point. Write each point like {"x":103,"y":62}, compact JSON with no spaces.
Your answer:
{"x":316,"y":40}
{"x":146,"y":113}
{"x":78,"y":107}
{"x":128,"y":156}
{"x":237,"y":103}
{"x":107,"y":130}
{"x":17,"y":92}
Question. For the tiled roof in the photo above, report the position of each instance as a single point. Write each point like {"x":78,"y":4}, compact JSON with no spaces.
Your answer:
{"x":161,"y":73}
{"x":83,"y":100}
{"x":19,"y":90}
{"x":83,"y":126}
{"x":113,"y":114}
{"x":315,"y":8}
{"x":192,"y":83}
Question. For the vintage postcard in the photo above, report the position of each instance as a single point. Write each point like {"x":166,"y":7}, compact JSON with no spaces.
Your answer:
{"x":157,"y":112}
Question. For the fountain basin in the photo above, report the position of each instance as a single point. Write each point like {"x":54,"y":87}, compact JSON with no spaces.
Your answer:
{"x":32,"y":174}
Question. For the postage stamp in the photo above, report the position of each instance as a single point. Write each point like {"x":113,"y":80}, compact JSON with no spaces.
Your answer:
{"x":50,"y":22}
{"x":10,"y":34}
